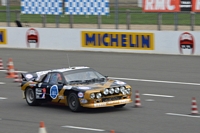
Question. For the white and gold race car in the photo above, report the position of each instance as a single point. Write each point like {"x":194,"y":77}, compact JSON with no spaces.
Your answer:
{"x":76,"y":87}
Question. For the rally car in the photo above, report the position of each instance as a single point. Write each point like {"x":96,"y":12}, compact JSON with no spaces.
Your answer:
{"x":76,"y":87}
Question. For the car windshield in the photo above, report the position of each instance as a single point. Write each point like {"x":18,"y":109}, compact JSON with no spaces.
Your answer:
{"x":83,"y":76}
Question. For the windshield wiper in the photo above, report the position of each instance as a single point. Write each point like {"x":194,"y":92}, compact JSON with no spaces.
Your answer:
{"x":95,"y":80}
{"x":87,"y":81}
{"x":75,"y":81}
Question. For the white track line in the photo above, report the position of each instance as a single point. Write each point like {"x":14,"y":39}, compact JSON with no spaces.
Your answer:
{"x":1,"y":83}
{"x":16,"y":71}
{"x":156,"y":95}
{"x":157,"y":81}
{"x":149,"y":100}
{"x":196,"y":116}
{"x":3,"y":98}
{"x":84,"y":128}
{"x":142,"y":80}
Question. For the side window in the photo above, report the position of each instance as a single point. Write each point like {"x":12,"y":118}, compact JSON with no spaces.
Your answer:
{"x":55,"y":77}
{"x":46,"y":78}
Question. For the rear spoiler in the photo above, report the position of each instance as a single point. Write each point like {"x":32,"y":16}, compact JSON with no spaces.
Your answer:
{"x":29,"y":76}
{"x":33,"y":76}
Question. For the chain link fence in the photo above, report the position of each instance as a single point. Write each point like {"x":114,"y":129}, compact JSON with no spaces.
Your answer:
{"x":124,"y":14}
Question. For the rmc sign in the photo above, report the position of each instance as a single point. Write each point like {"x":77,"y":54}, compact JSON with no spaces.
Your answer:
{"x":170,"y":5}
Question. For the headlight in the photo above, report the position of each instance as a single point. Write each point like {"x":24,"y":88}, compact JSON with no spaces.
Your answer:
{"x":128,"y":91}
{"x":98,"y":95}
{"x":111,"y":91}
{"x":124,"y":92}
{"x":105,"y":92}
{"x":122,"y":89}
{"x":117,"y":90}
{"x":92,"y":96}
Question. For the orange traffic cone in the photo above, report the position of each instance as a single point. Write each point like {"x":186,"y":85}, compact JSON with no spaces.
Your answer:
{"x":10,"y":63}
{"x":194,"y":107}
{"x":17,"y":77}
{"x":1,"y":64}
{"x":112,"y":131}
{"x":10,"y":69}
{"x":137,"y":99}
{"x":42,"y":128}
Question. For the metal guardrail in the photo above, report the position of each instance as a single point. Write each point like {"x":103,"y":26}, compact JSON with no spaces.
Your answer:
{"x":128,"y":22}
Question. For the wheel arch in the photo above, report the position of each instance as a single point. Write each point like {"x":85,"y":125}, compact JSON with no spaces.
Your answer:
{"x":27,"y":88}
{"x":67,"y":92}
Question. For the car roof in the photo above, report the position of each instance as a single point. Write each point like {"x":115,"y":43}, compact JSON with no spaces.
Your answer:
{"x":69,"y":69}
{"x":42,"y":73}
{"x":39,"y":73}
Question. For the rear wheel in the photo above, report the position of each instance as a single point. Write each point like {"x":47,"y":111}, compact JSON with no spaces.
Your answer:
{"x":119,"y":106}
{"x":73,"y":102}
{"x":30,"y":97}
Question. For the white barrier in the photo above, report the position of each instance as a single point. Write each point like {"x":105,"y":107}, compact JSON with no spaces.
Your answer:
{"x":130,"y":41}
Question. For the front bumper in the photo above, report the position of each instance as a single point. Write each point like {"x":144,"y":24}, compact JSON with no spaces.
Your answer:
{"x":107,"y":104}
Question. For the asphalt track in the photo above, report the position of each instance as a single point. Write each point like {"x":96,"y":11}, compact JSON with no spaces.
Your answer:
{"x":166,"y":84}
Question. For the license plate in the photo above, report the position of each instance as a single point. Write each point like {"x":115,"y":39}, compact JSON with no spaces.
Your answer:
{"x":111,"y":99}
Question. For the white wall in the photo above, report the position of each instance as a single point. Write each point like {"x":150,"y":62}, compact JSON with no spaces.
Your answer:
{"x":165,"y":42}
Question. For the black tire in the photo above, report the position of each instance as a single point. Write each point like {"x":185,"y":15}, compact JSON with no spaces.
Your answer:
{"x":73,"y":102}
{"x":30,"y":97}
{"x":119,"y":106}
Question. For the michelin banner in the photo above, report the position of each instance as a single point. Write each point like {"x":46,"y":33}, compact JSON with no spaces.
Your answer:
{"x":103,"y":40}
{"x":3,"y":36}
{"x":118,"y":40}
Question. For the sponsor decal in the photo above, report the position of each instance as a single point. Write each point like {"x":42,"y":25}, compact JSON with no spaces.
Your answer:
{"x":84,"y":88}
{"x":29,"y":76}
{"x":186,"y":43}
{"x":61,"y":97}
{"x":80,"y":94}
{"x":161,"y":5}
{"x":118,"y":40}
{"x":32,"y":37}
{"x":54,"y":91}
{"x":99,"y":104}
{"x":43,"y":92}
{"x":111,"y":102}
{"x":3,"y":36}
{"x":40,"y":93}
{"x":83,"y":101}
{"x":40,"y":84}
{"x":32,"y":85}
{"x":170,"y":5}
{"x":124,"y":101}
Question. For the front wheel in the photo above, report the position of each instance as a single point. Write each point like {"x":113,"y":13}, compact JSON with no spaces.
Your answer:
{"x":73,"y":102}
{"x":30,"y":97}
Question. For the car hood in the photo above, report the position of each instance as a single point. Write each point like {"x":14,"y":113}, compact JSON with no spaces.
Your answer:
{"x":97,"y":85}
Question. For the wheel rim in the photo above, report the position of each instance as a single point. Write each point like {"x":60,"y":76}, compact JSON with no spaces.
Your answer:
{"x":73,"y":101}
{"x":30,"y":95}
